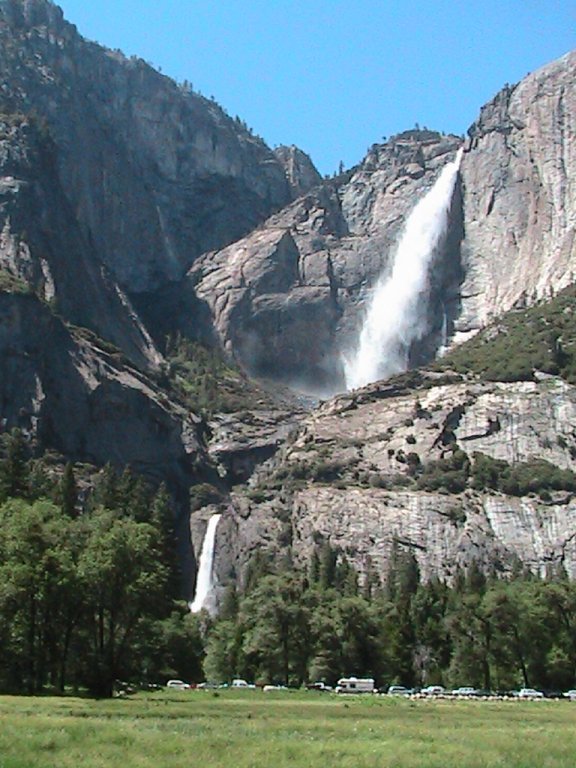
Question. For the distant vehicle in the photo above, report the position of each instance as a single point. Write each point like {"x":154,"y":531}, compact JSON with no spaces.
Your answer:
{"x":399,"y":690}
{"x":465,"y":690}
{"x":178,"y":685}
{"x":355,"y":685}
{"x":529,"y":693}
{"x":238,"y":683}
{"x":268,"y":688}
{"x":433,"y":690}
{"x":570,"y":695}
{"x":319,"y":686}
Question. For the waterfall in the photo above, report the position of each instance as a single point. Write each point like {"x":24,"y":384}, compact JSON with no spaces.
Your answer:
{"x":443,"y":346}
{"x":204,"y":584}
{"x":396,"y":315}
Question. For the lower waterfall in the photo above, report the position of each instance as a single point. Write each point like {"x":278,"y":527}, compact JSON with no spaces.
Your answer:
{"x":396,"y":314}
{"x":204,"y":581}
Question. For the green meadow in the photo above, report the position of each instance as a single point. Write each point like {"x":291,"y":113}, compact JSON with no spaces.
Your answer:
{"x":252,"y":729}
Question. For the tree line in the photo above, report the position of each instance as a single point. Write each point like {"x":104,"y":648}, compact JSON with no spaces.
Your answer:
{"x":489,"y":632}
{"x":88,"y":584}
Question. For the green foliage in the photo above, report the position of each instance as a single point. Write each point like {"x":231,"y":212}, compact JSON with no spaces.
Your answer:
{"x":86,"y":334}
{"x":450,"y":473}
{"x":14,"y":468}
{"x":206,"y":381}
{"x":490,"y":633}
{"x":68,"y":491}
{"x":455,"y":472}
{"x":541,"y":338}
{"x":87,"y":586}
{"x":537,"y":476}
{"x":11,"y":284}
{"x":80,"y":597}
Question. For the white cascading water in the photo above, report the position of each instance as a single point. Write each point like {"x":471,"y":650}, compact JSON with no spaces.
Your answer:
{"x":204,"y":583}
{"x":396,"y":315}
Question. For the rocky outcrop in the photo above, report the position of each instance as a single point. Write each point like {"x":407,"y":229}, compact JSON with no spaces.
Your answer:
{"x":241,"y":442}
{"x":299,"y":168}
{"x":349,"y":477}
{"x":312,"y":265}
{"x":519,"y":196}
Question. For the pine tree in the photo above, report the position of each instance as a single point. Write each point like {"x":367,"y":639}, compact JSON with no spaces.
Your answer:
{"x":68,"y":491}
{"x":14,"y":468}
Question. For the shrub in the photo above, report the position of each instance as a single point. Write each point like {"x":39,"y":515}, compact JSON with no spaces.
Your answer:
{"x":450,"y":473}
{"x":540,"y":338}
{"x":203,"y":494}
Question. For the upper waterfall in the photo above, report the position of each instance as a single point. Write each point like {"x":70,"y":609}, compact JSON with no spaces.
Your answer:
{"x":204,"y":582}
{"x":396,"y":314}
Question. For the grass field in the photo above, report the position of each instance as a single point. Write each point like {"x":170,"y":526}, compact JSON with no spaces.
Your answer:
{"x":251,"y":729}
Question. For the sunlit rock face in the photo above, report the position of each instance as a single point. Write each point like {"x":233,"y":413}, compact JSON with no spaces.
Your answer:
{"x":519,"y":181}
{"x":288,"y":300}
{"x":346,"y":477}
{"x":510,"y":239}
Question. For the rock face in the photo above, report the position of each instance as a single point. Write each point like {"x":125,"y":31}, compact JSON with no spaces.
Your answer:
{"x":519,"y":196}
{"x":346,"y":478}
{"x":42,"y":245}
{"x":300,"y":170}
{"x":65,"y":390}
{"x":240,"y":442}
{"x":154,"y":173}
{"x":311,"y":266}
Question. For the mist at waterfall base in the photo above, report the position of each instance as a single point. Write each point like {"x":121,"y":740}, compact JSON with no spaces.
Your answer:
{"x":204,"y":579}
{"x":396,"y":314}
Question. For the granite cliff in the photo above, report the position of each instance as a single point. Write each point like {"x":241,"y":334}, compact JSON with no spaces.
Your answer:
{"x":402,"y":463}
{"x":510,"y":241}
{"x":132,"y":208}
{"x":312,"y":266}
{"x":519,"y":203}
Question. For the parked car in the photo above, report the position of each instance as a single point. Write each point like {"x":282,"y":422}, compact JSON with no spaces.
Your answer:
{"x":433,"y":690}
{"x":465,"y":690}
{"x":570,"y":695}
{"x":178,"y":685}
{"x":529,"y":693}
{"x":399,"y":690}
{"x":238,"y":683}
{"x":319,"y":686}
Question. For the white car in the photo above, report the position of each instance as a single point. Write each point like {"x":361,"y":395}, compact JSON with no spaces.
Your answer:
{"x":433,"y":690}
{"x":465,"y":691}
{"x":570,"y":695}
{"x":177,"y":685}
{"x":529,"y":693}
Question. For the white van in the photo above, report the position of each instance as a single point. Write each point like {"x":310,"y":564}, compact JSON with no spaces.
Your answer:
{"x":355,"y":685}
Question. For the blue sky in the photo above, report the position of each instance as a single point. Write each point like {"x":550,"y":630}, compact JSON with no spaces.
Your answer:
{"x":334,"y":76}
